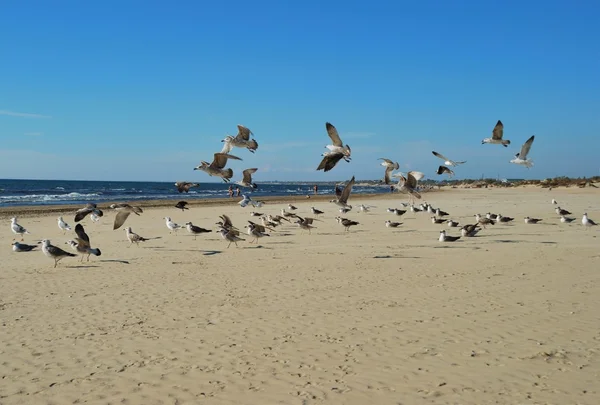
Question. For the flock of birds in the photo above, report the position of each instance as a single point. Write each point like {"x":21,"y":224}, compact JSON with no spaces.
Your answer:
{"x":336,"y":151}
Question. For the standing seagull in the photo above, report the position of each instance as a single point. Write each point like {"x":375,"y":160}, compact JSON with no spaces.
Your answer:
{"x":247,"y":178}
{"x":63,"y":226}
{"x":447,"y":238}
{"x":54,"y":252}
{"x":134,"y":237}
{"x":346,"y":223}
{"x":217,"y":167}
{"x":497,"y":134}
{"x":561,"y":212}
{"x":16,"y":228}
{"x":241,"y":140}
{"x":585,"y":221}
{"x":22,"y":247}
{"x":389,"y":168}
{"x":90,"y":208}
{"x":444,"y":169}
{"x":447,"y":161}
{"x":256,"y":231}
{"x":315,"y":211}
{"x":521,"y":157}
{"x":342,"y":200}
{"x":337,"y":150}
{"x":82,"y":243}
{"x":195,"y":230}
{"x":173,"y":227}
{"x":184,"y":186}
{"x":123,"y":211}
{"x":231,"y":236}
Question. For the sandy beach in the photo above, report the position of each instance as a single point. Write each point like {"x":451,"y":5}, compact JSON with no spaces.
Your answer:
{"x":375,"y":315}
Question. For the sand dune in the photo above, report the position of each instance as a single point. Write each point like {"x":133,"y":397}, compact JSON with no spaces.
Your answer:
{"x":376,"y":315}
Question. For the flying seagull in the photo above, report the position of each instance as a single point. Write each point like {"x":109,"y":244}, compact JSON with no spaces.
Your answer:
{"x":81,"y":244}
{"x":408,"y":184}
{"x":337,"y":151}
{"x":521,"y":157}
{"x":89,"y":208}
{"x":184,"y":186}
{"x":22,"y":247}
{"x":123,"y":211}
{"x":389,"y":168}
{"x":444,"y":169}
{"x":497,"y":134}
{"x":241,"y":140}
{"x":247,"y":178}
{"x":63,"y":226}
{"x":342,"y":200}
{"x":182,"y":205}
{"x":54,"y":252}
{"x":447,"y":161}
{"x":217,"y":167}
{"x":16,"y":228}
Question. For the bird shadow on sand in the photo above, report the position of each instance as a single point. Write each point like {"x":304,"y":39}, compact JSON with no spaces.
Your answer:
{"x":522,"y":241}
{"x":84,"y":266}
{"x":395,"y":257}
{"x":258,"y":247}
{"x":114,"y":261}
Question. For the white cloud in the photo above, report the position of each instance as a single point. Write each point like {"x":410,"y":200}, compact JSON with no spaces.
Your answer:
{"x":22,"y":114}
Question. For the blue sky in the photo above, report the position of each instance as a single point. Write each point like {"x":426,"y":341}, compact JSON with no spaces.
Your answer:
{"x":144,"y":90}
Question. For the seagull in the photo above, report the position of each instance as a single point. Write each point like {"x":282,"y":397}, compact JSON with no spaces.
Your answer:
{"x":491,"y":216}
{"x":521,"y":157}
{"x":408,"y":184}
{"x":444,"y":169}
{"x":182,"y":205}
{"x":440,"y":213}
{"x":245,"y":201}
{"x":230,"y":236}
{"x":497,"y":136}
{"x":217,"y":167}
{"x":256,"y":214}
{"x":364,"y":208}
{"x":500,"y":218}
{"x":447,"y":238}
{"x":585,"y":221}
{"x":16,"y":228}
{"x":256,"y":231}
{"x":195,"y":230}
{"x":173,"y":227}
{"x":342,"y":200}
{"x":470,"y":230}
{"x":81,"y":244}
{"x":566,"y":220}
{"x":54,"y":252}
{"x":532,"y":220}
{"x":292,"y":208}
{"x":337,"y":150}
{"x":435,"y":220}
{"x":90,"y":208}
{"x":62,"y":225}
{"x":483,"y":221}
{"x":305,"y":223}
{"x":345,"y":210}
{"x":414,"y":209}
{"x":452,"y":224}
{"x":389,"y":168}
{"x":315,"y":211}
{"x":123,"y":211}
{"x":247,"y":178}
{"x":94,"y":217}
{"x":286,"y":214}
{"x":184,"y":186}
{"x":346,"y":223}
{"x":562,"y":212}
{"x":447,"y":161}
{"x":398,"y":212}
{"x":241,"y":140}
{"x":390,"y":224}
{"x":226,"y":223}
{"x":22,"y":247}
{"x":134,"y":237}
{"x":554,"y":201}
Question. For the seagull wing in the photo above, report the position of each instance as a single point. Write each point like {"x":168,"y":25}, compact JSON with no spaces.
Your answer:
{"x":243,"y":133}
{"x":81,"y":235}
{"x":220,"y":160}
{"x":329,"y":161}
{"x":525,"y":148}
{"x":388,"y":161}
{"x":416,"y":175}
{"x":444,"y":158}
{"x":252,"y":145}
{"x":388,"y":171}
{"x":498,"y":131}
{"x":347,"y":190}
{"x":333,"y":134}
{"x":120,"y":218}
{"x":227,"y":146}
{"x":247,"y":175}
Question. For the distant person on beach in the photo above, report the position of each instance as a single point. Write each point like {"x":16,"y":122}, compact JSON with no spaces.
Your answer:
{"x":237,"y":191}
{"x":392,"y":188}
{"x":316,"y":189}
{"x":230,"y":192}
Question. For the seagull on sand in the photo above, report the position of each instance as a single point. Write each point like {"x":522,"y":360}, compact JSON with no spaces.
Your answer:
{"x":134,"y":237}
{"x":447,"y":161}
{"x":440,"y":213}
{"x":184,"y":186}
{"x":532,"y":220}
{"x":435,"y":220}
{"x":226,"y":223}
{"x":123,"y":211}
{"x":305,"y":223}
{"x":292,"y":207}
{"x":521,"y":157}
{"x":561,"y":212}
{"x":241,"y":140}
{"x":315,"y":211}
{"x":337,"y":150}
{"x":247,"y":178}
{"x":497,"y":134}
{"x":390,"y":224}
{"x":585,"y":221}
{"x":452,"y":224}
{"x":182,"y":205}
{"x":195,"y":230}
{"x":483,"y":221}
{"x":217,"y":167}
{"x":443,"y":169}
{"x":470,"y":230}
{"x":22,"y":247}
{"x":408,"y":184}
{"x":447,"y":238}
{"x":256,"y":214}
{"x":63,"y":226}
{"x":82,"y":245}
{"x":554,"y":201}
{"x":342,"y":200}
{"x":90,"y":208}
{"x":256,"y":231}
{"x":502,"y":219}
{"x":566,"y":220}
{"x":54,"y":252}
{"x":346,"y":223}
{"x":16,"y":228}
{"x":231,"y":236}
{"x":389,"y":168}
{"x":173,"y":227}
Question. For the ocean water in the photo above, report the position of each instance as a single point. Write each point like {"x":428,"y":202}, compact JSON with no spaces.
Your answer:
{"x":59,"y":192}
